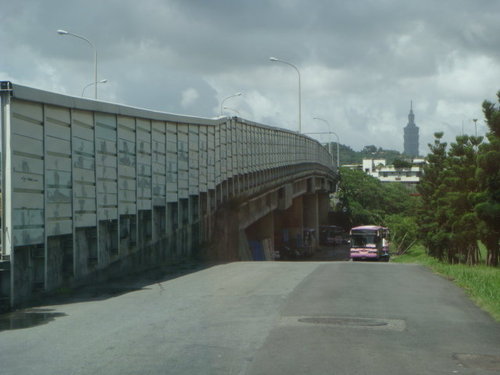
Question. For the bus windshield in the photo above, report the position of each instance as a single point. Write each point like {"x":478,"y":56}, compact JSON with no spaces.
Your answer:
{"x":361,"y":240}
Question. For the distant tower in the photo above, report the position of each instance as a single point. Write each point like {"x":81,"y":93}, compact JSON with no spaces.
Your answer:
{"x":411,"y":135}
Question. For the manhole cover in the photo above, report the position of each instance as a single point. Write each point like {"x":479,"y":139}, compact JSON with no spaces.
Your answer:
{"x":360,"y":322}
{"x":482,"y":361}
{"x":345,"y":322}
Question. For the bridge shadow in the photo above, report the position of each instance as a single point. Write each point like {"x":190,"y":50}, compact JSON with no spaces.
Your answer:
{"x":38,"y":311}
{"x":128,"y":283}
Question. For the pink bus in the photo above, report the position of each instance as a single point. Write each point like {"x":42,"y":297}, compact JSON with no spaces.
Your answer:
{"x":369,"y":242}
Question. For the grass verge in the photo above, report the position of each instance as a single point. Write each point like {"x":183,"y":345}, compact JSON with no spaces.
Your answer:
{"x":481,"y":283}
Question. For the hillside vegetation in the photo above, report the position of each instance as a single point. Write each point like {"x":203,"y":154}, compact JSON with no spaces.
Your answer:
{"x":365,"y":200}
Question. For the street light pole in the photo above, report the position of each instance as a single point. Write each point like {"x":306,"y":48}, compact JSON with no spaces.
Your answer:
{"x":275,"y":59}
{"x":93,"y":83}
{"x":64,"y":32}
{"x":335,"y":134}
{"x":230,"y":96}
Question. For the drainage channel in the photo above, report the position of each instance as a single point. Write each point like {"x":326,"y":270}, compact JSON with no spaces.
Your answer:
{"x":348,"y":322}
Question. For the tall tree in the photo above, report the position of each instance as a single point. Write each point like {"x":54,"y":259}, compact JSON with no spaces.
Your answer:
{"x":488,"y":175}
{"x":431,"y":219}
{"x":456,"y":203}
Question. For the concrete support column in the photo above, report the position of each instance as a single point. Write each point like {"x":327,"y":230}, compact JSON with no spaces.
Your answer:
{"x":311,"y":217}
{"x":288,"y":224}
{"x":323,"y":208}
{"x":261,"y":231}
{"x":226,"y":235}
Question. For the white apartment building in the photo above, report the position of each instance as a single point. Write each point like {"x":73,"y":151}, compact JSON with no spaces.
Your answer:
{"x":387,"y":173}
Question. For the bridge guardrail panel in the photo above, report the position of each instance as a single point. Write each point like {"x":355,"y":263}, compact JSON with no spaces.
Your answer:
{"x":172,"y":156}
{"x":203,"y":157}
{"x":27,"y":142}
{"x":144,"y":165}
{"x":84,"y":175}
{"x":194,"y":162}
{"x":158,"y":136}
{"x":182,"y":161}
{"x":211,"y":157}
{"x":127,"y":180}
{"x":58,"y":180}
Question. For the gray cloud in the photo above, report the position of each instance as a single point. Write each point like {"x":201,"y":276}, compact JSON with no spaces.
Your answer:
{"x":361,"y":62}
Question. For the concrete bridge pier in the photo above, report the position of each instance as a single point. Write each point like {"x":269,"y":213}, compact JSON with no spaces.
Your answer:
{"x":323,"y":207}
{"x":252,"y":229}
{"x":310,"y":210}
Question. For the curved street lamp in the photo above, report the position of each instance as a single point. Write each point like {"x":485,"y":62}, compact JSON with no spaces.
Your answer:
{"x":64,"y":32}
{"x":335,"y":134}
{"x":230,"y":96}
{"x":94,"y":83}
{"x":275,"y":59}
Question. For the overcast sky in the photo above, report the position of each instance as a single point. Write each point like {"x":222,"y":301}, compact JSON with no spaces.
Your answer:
{"x":361,"y":61}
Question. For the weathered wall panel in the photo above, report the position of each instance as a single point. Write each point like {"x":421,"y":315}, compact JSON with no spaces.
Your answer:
{"x":58,"y":178}
{"x":171,"y":160}
{"x":211,"y":158}
{"x":223,"y":146}
{"x":106,"y":166}
{"x":203,"y":160}
{"x":217,"y":155}
{"x":127,"y":179}
{"x":27,"y":179}
{"x":183,"y":161}
{"x":144,"y":181}
{"x":85,"y":210}
{"x":194,"y":162}
{"x":159,"y":163}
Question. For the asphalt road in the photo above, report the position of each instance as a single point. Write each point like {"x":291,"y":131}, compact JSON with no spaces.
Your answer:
{"x":259,"y":318}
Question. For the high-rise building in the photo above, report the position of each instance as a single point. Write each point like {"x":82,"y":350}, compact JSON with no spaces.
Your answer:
{"x":411,"y":135}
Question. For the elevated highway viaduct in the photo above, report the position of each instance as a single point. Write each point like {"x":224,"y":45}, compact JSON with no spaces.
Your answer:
{"x":92,"y":190}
